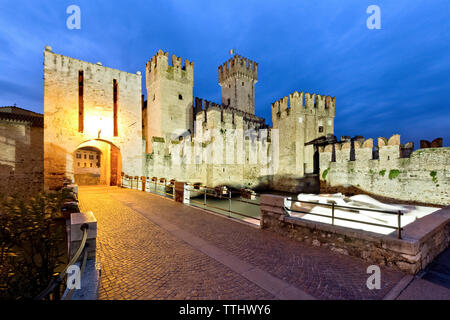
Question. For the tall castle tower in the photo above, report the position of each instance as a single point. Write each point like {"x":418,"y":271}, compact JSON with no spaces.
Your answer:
{"x":298,"y":119}
{"x":238,"y":77}
{"x":169,"y":97}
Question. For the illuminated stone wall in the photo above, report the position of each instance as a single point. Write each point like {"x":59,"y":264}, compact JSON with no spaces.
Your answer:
{"x":61,"y":112}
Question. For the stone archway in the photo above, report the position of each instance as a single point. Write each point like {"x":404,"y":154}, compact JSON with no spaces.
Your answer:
{"x":109,"y":166}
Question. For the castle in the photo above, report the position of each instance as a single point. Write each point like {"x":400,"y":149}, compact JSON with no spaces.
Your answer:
{"x":89,"y":105}
{"x":101,"y":111}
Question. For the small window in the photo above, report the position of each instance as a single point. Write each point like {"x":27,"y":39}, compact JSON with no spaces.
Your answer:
{"x":78,"y":164}
{"x":229,"y":86}
{"x":180,"y":97}
{"x":85,"y":156}
{"x":78,"y":156}
{"x":91,"y":157}
{"x":85,"y":165}
{"x":91,"y":164}
{"x":229,"y":101}
{"x":242,"y":84}
{"x":320,"y":129}
{"x":153,"y":97}
{"x":97,"y":157}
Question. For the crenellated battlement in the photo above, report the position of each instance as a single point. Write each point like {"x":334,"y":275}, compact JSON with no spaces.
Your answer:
{"x":207,"y":107}
{"x":159,"y":64}
{"x":238,"y":66}
{"x":389,"y":169}
{"x":387,"y":150}
{"x":304,"y":103}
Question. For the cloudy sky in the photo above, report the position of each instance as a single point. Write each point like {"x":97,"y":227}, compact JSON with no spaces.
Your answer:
{"x":387,"y":81}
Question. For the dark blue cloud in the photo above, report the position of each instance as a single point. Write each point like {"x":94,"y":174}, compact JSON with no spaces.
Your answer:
{"x":393,"y":80}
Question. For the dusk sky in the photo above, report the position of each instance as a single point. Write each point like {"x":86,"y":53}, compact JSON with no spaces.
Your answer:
{"x":387,"y":81}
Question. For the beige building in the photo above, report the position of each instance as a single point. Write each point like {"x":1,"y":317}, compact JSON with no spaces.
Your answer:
{"x":21,"y":151}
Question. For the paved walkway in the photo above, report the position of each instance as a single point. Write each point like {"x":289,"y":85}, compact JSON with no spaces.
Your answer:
{"x":153,"y":248}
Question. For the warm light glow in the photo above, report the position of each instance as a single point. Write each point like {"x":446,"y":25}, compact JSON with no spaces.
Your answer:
{"x":99,"y":126}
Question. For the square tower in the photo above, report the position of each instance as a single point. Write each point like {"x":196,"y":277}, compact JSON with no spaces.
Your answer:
{"x":238,"y":77}
{"x":300,"y":118}
{"x":169,"y":97}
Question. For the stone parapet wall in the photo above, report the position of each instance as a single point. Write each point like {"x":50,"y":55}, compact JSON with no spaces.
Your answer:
{"x":421,"y":240}
{"x":422,"y":176}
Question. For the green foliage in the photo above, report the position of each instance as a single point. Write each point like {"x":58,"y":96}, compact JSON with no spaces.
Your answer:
{"x":149,"y":156}
{"x":223,"y":131}
{"x":382,"y":172}
{"x":32,"y":243}
{"x":158,"y":139}
{"x":394,"y":173}
{"x":433,"y":175}
{"x":325,"y":173}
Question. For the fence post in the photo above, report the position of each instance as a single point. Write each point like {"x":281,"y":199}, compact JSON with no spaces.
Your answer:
{"x":179,"y":191}
{"x":229,"y":203}
{"x":204,"y":201}
{"x":332,"y":213}
{"x":143,"y":183}
{"x":399,"y":224}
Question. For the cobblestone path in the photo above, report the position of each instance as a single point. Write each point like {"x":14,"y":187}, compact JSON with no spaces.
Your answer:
{"x":153,"y":248}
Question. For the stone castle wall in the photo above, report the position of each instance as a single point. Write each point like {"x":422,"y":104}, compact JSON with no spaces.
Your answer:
{"x":61,"y":118}
{"x":222,"y":152}
{"x":257,"y":157}
{"x":422,"y":176}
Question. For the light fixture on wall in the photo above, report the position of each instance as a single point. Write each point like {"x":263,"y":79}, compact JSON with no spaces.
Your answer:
{"x":99,"y":127}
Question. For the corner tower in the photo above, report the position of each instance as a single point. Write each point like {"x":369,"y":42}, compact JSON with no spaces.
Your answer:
{"x":238,"y":77}
{"x":169,"y":97}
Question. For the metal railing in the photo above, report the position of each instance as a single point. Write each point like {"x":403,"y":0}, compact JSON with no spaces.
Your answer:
{"x":206,"y":191}
{"x":54,"y":286}
{"x":333,"y":217}
{"x":151,"y":185}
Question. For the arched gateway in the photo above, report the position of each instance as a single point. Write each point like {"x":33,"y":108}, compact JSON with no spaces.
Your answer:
{"x":97,"y":162}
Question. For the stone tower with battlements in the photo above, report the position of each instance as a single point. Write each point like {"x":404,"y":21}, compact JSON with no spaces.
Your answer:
{"x":238,"y":77}
{"x":169,"y":97}
{"x":299,"y":119}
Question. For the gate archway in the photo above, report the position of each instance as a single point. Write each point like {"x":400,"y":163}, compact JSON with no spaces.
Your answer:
{"x":105,"y":171}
